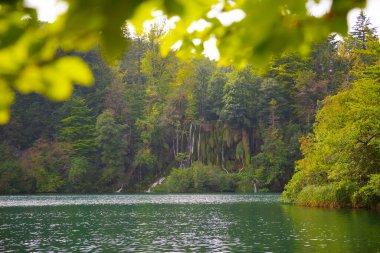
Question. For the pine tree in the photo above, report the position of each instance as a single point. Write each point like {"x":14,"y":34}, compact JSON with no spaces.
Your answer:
{"x":112,"y":142}
{"x":362,"y":29}
{"x":78,"y":127}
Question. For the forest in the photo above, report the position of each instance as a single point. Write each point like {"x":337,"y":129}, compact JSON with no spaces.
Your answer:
{"x":305,"y":125}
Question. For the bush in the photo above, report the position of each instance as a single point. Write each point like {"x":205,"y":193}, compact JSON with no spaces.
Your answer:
{"x":198,"y":178}
{"x":244,"y":183}
{"x":369,"y":195}
{"x":179,"y":180}
{"x":294,"y":187}
{"x":10,"y":177}
{"x":318,"y":196}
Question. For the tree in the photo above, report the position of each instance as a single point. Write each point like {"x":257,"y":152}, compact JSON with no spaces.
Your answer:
{"x":328,"y":65}
{"x":80,"y":175}
{"x":47,"y":163}
{"x":203,"y":71}
{"x":112,"y":142}
{"x":343,"y":153}
{"x":309,"y":92}
{"x":215,"y":93}
{"x":362,"y":29}
{"x":78,"y":127}
{"x":10,"y":171}
{"x":273,"y":166}
{"x":116,"y":99}
{"x":29,"y":61}
{"x":241,"y":99}
{"x":34,"y":118}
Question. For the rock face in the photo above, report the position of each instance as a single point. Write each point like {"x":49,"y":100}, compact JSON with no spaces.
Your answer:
{"x":158,"y":182}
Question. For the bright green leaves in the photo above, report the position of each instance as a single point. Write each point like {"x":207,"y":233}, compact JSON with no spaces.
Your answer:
{"x":268,"y":28}
{"x":60,"y":77}
{"x":55,"y":80}
{"x":28,"y":61}
{"x":75,"y":69}
{"x":6,"y":99}
{"x":345,"y":147}
{"x":12,"y":54}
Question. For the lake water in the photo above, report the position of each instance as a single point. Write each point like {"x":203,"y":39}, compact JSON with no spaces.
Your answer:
{"x":180,"y":223}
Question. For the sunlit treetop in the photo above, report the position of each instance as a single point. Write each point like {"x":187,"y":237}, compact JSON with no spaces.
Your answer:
{"x":253,"y":31}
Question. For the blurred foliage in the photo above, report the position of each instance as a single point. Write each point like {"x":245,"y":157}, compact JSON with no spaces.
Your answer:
{"x":30,"y":59}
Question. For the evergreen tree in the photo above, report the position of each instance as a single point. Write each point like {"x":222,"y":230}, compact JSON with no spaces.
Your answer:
{"x":362,"y":29}
{"x":112,"y":143}
{"x":78,"y":127}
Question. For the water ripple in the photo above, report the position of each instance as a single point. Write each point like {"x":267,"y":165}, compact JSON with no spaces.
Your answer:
{"x":132,"y":199}
{"x":180,"y":223}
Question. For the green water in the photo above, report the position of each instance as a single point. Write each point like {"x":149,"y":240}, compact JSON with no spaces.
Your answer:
{"x":180,"y":223}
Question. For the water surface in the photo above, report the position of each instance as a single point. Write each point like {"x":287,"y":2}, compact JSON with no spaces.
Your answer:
{"x":180,"y":223}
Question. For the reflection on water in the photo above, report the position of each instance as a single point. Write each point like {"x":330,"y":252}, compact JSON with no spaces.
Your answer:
{"x":132,"y":199}
{"x":156,"y":223}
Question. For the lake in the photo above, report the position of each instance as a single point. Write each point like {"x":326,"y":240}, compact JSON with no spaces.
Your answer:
{"x":180,"y":223}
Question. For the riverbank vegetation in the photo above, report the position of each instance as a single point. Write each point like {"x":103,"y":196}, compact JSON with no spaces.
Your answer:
{"x":207,"y":127}
{"x":341,"y":157}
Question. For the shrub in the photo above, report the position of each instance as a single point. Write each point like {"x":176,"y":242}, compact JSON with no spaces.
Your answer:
{"x":10,"y":181}
{"x":294,"y":187}
{"x":318,"y":196}
{"x":369,"y":195}
{"x":198,"y":178}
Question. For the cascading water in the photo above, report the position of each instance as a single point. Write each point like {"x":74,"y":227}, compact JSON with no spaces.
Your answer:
{"x":157,"y":182}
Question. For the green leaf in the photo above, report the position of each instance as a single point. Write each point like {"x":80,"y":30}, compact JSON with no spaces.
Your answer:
{"x":76,"y":70}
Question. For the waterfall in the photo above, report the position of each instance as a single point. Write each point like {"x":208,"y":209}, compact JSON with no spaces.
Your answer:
{"x":254,"y":187}
{"x":182,"y":134}
{"x":192,"y":137}
{"x":199,"y":142}
{"x":175,"y":155}
{"x":121,"y":188}
{"x":176,"y":133}
{"x":190,"y":142}
{"x":192,"y":146}
{"x":224,"y":168}
{"x":157,"y":182}
{"x":191,"y":126}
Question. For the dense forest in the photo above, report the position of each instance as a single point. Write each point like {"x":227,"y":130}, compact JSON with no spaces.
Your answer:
{"x":206,"y":127}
